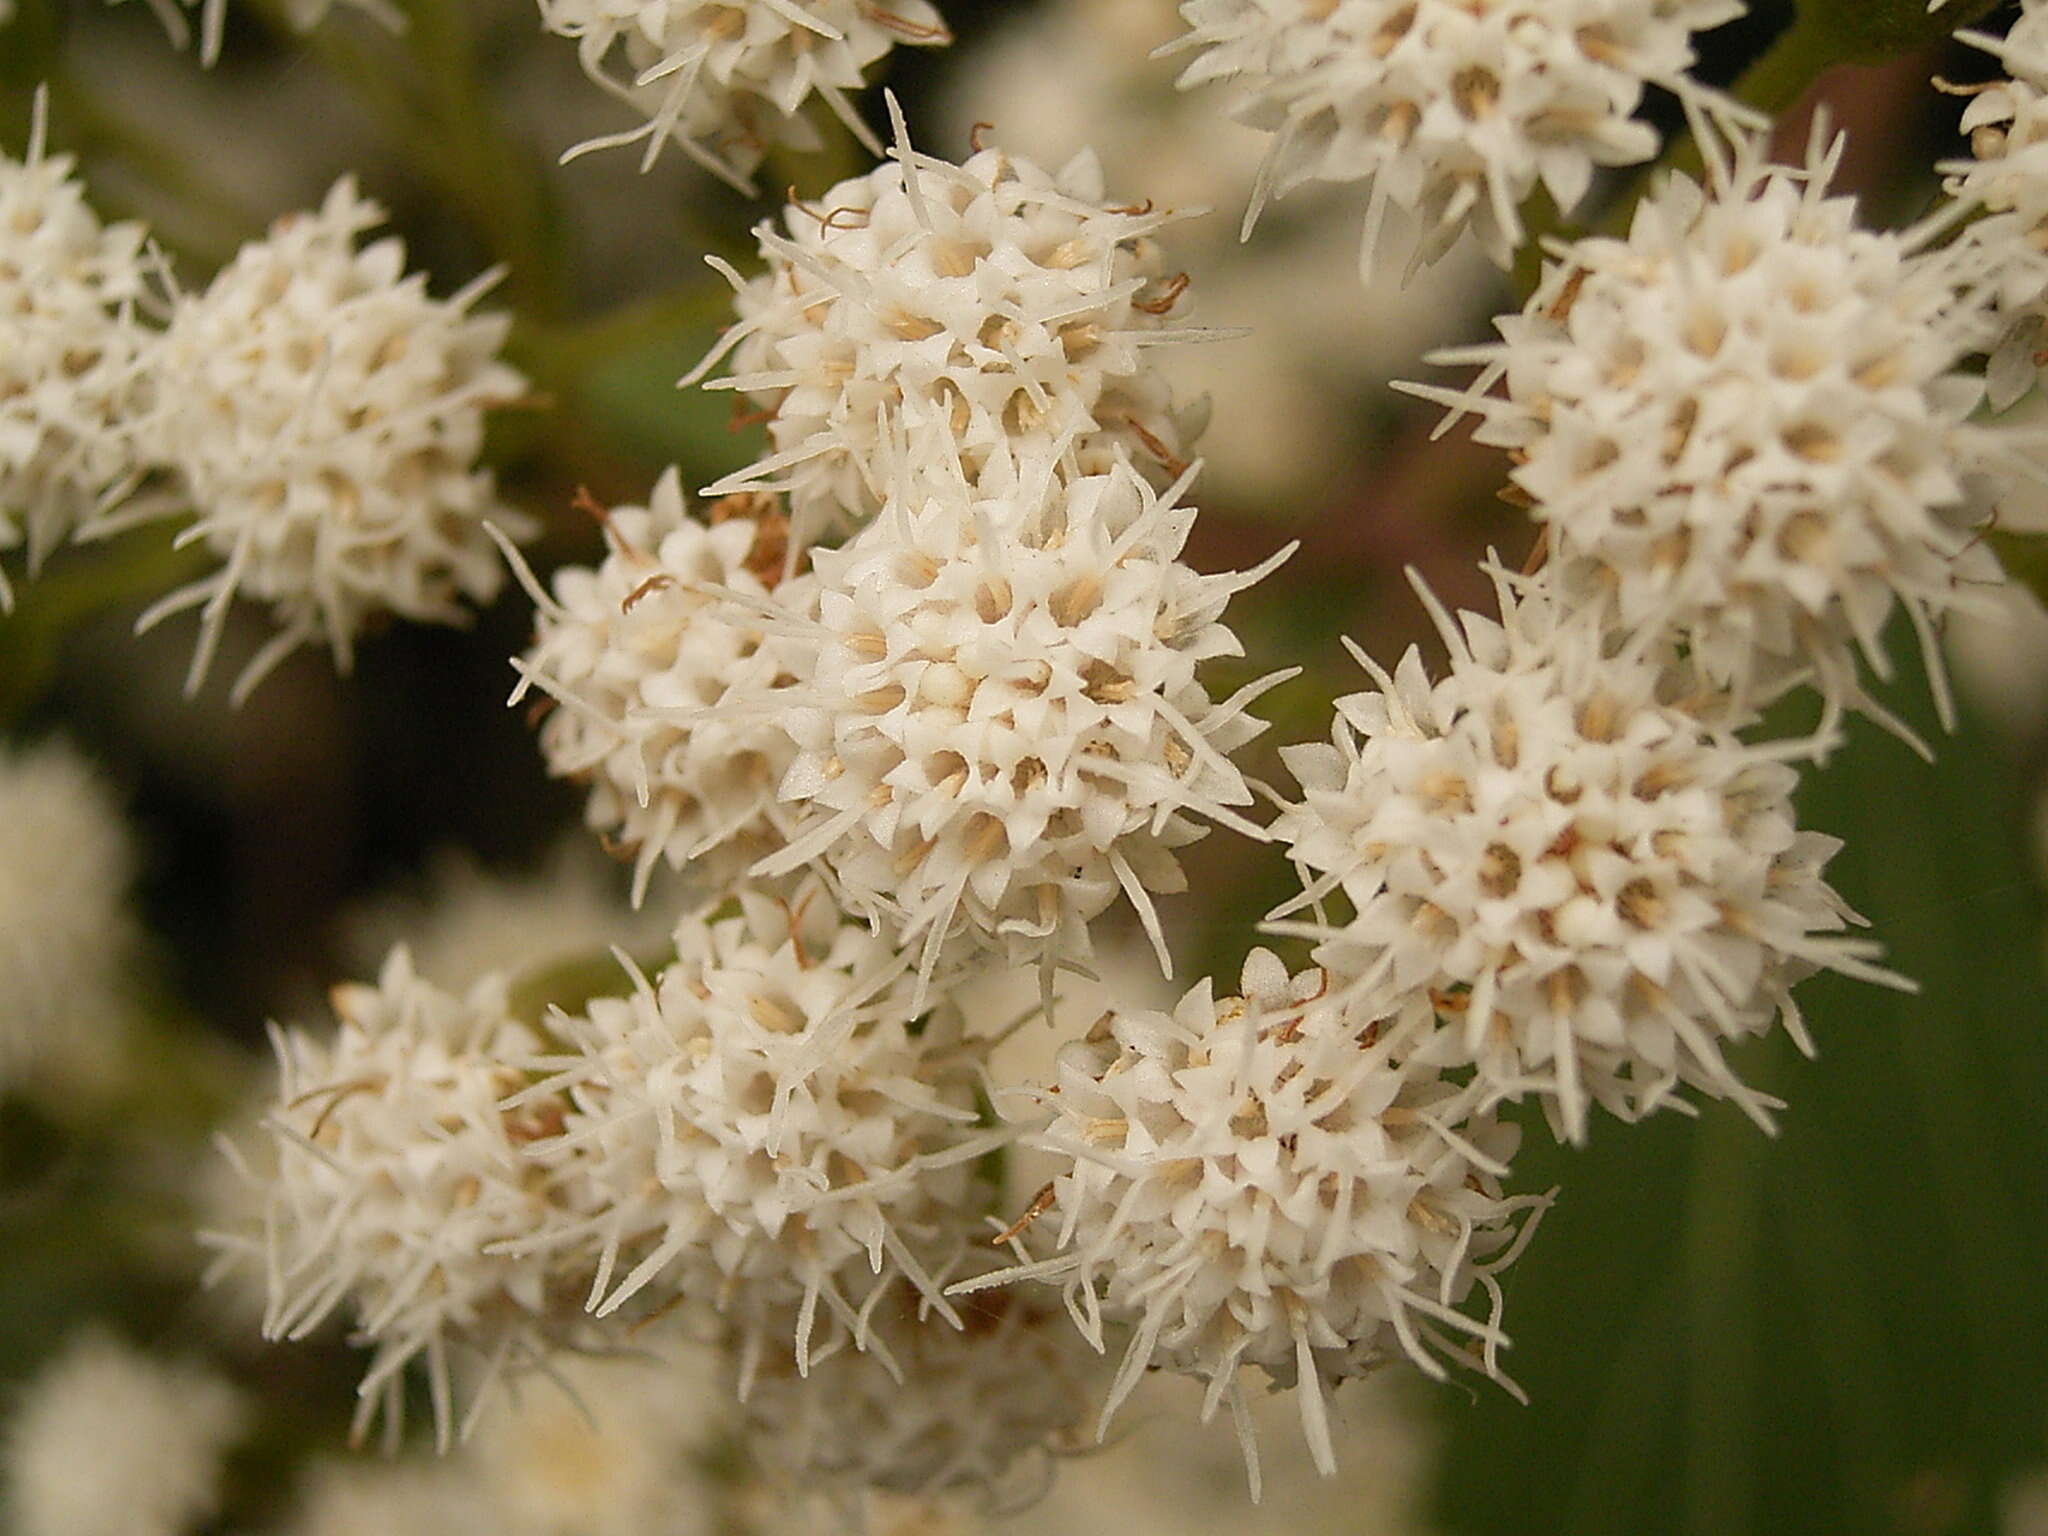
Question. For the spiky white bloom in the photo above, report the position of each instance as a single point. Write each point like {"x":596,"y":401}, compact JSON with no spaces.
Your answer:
{"x":325,"y":414}
{"x":661,"y":662}
{"x":2007,"y":122}
{"x":727,"y":78}
{"x":1573,"y":856}
{"x":1746,"y":423}
{"x":65,"y":930}
{"x":772,"y":1119}
{"x":108,"y":1441}
{"x":1271,"y":1180}
{"x":71,"y":351}
{"x":1453,"y":110}
{"x":993,"y":300}
{"x":1006,"y":725}
{"x":924,"y":1404}
{"x":400,"y":1179}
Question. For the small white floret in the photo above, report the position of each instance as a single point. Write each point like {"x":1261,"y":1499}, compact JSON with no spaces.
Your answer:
{"x":1007,"y":727}
{"x":774,"y":1122}
{"x":401,"y":1181}
{"x":1270,"y":1180}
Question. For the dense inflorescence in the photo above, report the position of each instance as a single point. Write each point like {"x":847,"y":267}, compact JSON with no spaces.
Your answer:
{"x":1747,"y":425}
{"x":1012,"y":308}
{"x":728,"y":79}
{"x":401,"y":1178}
{"x":73,"y":364}
{"x":774,"y":1122}
{"x":1270,"y":1179}
{"x":662,"y":663}
{"x":1006,"y":726}
{"x":1572,"y":857}
{"x":324,"y":415}
{"x":1454,"y":111}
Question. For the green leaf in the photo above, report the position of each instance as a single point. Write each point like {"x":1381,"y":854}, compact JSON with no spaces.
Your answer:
{"x":1836,"y":1330}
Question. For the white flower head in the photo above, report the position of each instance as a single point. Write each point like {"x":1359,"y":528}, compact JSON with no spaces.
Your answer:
{"x":325,"y":416}
{"x":772,"y":1120}
{"x":1746,"y":423}
{"x":402,"y":1179}
{"x":1004,"y":305}
{"x":1454,"y":110}
{"x":1262,"y":1180}
{"x":107,"y":1441}
{"x":1595,"y":882}
{"x":71,"y":351}
{"x":662,"y":664}
{"x":65,"y":928}
{"x":726,"y":79}
{"x":925,"y":1404}
{"x":1007,"y":724}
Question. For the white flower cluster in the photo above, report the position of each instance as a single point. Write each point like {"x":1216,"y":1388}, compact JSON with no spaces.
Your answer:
{"x":1004,"y":727}
{"x":982,"y":716}
{"x":1572,"y":858}
{"x":1746,"y":425}
{"x":926,"y":690}
{"x":726,"y":79}
{"x":1454,"y":111}
{"x":314,"y":409}
{"x":400,"y":1179}
{"x":324,"y":416}
{"x":774,"y":1136}
{"x":661,"y":663}
{"x":1265,"y":1180}
{"x":773,"y":1120}
{"x":71,"y":352}
{"x":1005,"y":306}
